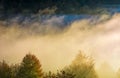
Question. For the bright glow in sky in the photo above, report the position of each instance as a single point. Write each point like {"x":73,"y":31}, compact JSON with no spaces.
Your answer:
{"x":101,"y":41}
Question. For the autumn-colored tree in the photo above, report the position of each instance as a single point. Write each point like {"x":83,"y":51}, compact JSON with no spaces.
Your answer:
{"x":30,"y":67}
{"x":5,"y":71}
{"x":82,"y":66}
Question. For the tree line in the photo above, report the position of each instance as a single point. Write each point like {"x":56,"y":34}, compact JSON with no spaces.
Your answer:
{"x":30,"y":67}
{"x":63,"y":6}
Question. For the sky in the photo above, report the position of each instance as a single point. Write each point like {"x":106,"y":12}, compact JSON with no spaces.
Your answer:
{"x":99,"y":38}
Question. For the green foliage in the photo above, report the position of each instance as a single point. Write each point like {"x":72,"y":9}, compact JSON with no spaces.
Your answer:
{"x":30,"y":67}
{"x":60,"y":74}
{"x":82,"y":66}
{"x":64,"y":74}
{"x":5,"y":71}
{"x":49,"y":75}
{"x":14,"y":70}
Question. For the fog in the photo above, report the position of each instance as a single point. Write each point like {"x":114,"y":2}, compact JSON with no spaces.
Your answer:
{"x":56,"y":44}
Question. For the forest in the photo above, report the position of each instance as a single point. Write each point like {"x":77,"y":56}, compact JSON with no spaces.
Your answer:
{"x":81,"y":67}
{"x":54,"y":31}
{"x":62,"y":6}
{"x":30,"y":67}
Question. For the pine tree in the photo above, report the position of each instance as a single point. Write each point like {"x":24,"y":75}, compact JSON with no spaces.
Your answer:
{"x":30,"y":67}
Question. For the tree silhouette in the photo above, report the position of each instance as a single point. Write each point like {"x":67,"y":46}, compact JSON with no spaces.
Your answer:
{"x":5,"y":71}
{"x":14,"y":70}
{"x":64,"y":74}
{"x":30,"y":67}
{"x":60,"y":74}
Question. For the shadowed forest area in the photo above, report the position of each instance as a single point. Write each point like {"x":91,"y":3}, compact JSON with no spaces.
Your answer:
{"x":60,"y":6}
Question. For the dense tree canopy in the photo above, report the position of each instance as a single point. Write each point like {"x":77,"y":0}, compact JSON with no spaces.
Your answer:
{"x":63,"y":6}
{"x":5,"y":70}
{"x":30,"y":67}
{"x":59,"y":74}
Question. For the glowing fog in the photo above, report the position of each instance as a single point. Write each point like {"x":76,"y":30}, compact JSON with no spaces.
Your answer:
{"x":98,"y":38}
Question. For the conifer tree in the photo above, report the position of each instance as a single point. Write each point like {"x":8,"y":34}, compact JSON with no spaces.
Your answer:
{"x":30,"y":67}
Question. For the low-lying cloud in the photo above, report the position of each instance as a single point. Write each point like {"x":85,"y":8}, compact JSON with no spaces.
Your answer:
{"x":56,"y":44}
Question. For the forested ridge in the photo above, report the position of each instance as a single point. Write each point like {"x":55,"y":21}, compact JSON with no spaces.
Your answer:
{"x":61,"y":6}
